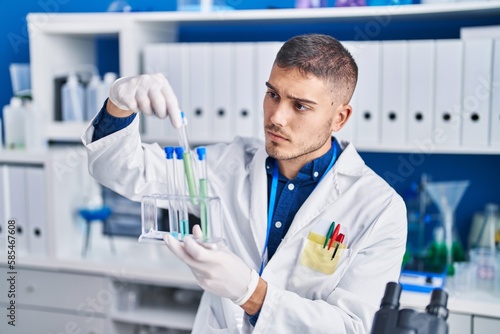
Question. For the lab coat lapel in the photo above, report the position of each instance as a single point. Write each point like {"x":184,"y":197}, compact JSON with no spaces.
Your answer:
{"x":347,"y":169}
{"x":258,"y":198}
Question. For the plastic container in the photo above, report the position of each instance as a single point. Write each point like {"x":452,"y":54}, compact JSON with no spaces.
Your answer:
{"x":93,"y":97}
{"x":35,"y":138}
{"x":107,"y":81}
{"x":485,"y":259}
{"x":72,"y":100}
{"x":21,"y":79}
{"x":14,"y":115}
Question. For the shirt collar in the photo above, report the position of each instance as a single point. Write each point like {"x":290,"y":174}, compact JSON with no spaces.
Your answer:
{"x":314,"y":169}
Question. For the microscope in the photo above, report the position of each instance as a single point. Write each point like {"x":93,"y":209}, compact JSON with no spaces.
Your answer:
{"x":389,"y":319}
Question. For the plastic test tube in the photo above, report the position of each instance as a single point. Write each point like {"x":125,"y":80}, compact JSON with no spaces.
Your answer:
{"x":172,"y":211}
{"x":188,"y":163}
{"x":201,"y":151}
{"x":181,"y":190}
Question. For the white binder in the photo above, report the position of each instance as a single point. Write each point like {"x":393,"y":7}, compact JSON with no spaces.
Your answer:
{"x":265,"y":55}
{"x":495,"y":98}
{"x":367,"y":115}
{"x":35,"y":207}
{"x":421,"y":56}
{"x":478,"y":56}
{"x":448,"y":93}
{"x":170,"y":59}
{"x":244,"y":86}
{"x":223,"y":85}
{"x":154,"y":61}
{"x":394,"y":92}
{"x":17,"y":197}
{"x":199,"y":93}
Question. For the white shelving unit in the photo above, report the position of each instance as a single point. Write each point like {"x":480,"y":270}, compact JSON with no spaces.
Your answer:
{"x":61,"y":42}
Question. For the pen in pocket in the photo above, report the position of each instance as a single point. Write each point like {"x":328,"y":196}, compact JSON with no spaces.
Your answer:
{"x":339,"y":240}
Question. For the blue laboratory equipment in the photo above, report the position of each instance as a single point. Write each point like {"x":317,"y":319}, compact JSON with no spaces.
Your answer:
{"x":202,"y":161}
{"x":172,"y":212}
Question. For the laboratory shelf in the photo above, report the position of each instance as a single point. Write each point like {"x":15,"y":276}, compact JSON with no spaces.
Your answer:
{"x":167,"y":316}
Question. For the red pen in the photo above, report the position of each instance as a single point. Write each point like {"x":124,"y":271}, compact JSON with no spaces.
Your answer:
{"x":334,"y":235}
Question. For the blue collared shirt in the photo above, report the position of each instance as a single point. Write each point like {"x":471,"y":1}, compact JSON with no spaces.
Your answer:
{"x":291,"y":194}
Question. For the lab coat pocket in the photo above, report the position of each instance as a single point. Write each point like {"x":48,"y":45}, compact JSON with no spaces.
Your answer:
{"x":213,"y":324}
{"x":316,"y":272}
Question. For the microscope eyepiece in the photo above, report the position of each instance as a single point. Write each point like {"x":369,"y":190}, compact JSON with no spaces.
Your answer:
{"x":391,"y":296}
{"x":437,"y":306}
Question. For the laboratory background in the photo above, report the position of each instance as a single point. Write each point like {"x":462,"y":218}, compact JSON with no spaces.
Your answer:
{"x":426,"y":117}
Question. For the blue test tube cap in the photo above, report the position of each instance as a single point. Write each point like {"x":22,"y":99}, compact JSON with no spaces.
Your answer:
{"x":169,"y":152}
{"x":178,"y":152}
{"x":201,"y":153}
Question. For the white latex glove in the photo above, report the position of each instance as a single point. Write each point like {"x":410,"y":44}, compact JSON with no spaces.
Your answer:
{"x":150,"y":94}
{"x":217,"y":270}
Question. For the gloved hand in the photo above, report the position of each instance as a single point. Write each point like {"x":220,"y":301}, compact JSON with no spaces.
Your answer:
{"x":147,"y":93}
{"x":216,"y":270}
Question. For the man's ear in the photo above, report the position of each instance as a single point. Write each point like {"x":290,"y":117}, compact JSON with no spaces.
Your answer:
{"x":341,"y":117}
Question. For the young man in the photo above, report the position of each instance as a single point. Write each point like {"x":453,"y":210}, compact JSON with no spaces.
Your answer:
{"x":280,"y":199}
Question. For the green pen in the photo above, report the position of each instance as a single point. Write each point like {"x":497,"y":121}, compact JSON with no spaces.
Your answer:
{"x":329,"y":234}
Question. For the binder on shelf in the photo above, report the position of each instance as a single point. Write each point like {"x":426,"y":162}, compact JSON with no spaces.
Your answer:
{"x":223,"y":83}
{"x":36,"y":226}
{"x":170,"y":59}
{"x":265,"y":54}
{"x":244,"y":86}
{"x":448,"y":93}
{"x":368,"y":59}
{"x":199,"y":94}
{"x":478,"y":56}
{"x":394,"y":92}
{"x":421,"y":56}
{"x":495,"y":98}
{"x":155,"y":61}
{"x":17,"y":195}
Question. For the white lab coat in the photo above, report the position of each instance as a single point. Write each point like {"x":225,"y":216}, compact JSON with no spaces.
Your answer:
{"x":298,"y":300}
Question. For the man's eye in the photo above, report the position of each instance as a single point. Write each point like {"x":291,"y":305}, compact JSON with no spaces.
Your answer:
{"x":301,"y":107}
{"x":272,"y":95}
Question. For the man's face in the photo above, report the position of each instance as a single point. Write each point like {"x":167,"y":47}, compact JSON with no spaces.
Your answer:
{"x":299,"y":112}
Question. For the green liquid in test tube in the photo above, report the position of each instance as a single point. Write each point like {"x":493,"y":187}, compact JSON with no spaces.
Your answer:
{"x":188,"y":165}
{"x":181,"y":190}
{"x":203,"y":191}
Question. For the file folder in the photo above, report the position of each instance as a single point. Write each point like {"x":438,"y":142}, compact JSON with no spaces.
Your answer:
{"x":223,"y":85}
{"x":17,"y":196}
{"x":170,"y":59}
{"x":394,"y":92}
{"x":421,"y":57}
{"x":478,"y":56}
{"x":367,"y":115}
{"x":495,"y":98}
{"x":448,"y":94}
{"x":244,"y":86}
{"x":199,"y":94}
{"x":265,"y":55}
{"x":35,"y":207}
{"x":154,"y":61}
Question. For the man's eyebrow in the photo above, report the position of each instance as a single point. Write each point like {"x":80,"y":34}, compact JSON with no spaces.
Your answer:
{"x":292,"y":97}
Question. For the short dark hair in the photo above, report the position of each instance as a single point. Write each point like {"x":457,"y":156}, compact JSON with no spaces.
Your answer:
{"x":324,"y":57}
